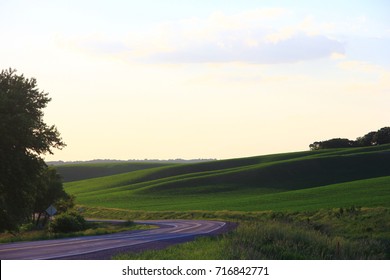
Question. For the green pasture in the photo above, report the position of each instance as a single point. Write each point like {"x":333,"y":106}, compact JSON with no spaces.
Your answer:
{"x":326,"y":204}
{"x":292,"y":181}
{"x":81,"y":171}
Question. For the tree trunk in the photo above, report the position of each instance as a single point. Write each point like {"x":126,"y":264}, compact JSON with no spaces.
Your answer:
{"x":39,"y":217}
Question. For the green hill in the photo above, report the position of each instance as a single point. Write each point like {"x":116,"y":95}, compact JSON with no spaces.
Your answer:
{"x":81,"y":171}
{"x":295,"y":181}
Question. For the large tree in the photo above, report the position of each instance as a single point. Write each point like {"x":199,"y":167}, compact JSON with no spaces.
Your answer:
{"x":24,"y":138}
{"x":382,"y":136}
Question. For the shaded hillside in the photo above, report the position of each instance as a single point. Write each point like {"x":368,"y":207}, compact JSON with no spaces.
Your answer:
{"x":81,"y":171}
{"x":237,"y":183}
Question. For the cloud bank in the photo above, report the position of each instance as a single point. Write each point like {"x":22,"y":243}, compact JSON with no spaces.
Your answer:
{"x":299,"y":47}
{"x":264,"y":36}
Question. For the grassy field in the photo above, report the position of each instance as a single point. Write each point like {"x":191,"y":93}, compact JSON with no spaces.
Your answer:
{"x":81,"y":171}
{"x":327,"y":204}
{"x":292,"y":181}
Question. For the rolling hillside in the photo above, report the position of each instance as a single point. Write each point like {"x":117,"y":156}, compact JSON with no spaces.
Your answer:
{"x":81,"y":171}
{"x":295,"y":181}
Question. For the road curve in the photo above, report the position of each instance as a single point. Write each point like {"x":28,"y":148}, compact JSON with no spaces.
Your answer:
{"x":73,"y":247}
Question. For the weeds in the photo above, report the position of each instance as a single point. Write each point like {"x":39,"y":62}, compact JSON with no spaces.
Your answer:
{"x":100,"y":228}
{"x":292,"y":235}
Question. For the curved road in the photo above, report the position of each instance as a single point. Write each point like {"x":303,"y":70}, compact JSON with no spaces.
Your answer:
{"x":73,"y":247}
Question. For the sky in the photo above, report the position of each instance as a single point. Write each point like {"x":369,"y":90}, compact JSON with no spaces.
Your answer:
{"x":201,"y":79}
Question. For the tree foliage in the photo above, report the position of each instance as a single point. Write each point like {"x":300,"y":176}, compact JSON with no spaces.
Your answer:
{"x":24,"y":137}
{"x":382,"y":136}
{"x":373,"y":138}
{"x":68,"y":222}
{"x":49,"y":191}
{"x":332,"y":143}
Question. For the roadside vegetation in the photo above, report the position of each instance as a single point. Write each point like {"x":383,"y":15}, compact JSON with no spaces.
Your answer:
{"x":29,"y":232}
{"x":352,"y":233}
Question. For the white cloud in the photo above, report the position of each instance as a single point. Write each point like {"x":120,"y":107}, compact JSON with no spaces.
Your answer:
{"x":337,"y":56}
{"x":263,"y":36}
{"x":296,"y":48}
{"x":281,"y":35}
{"x":251,"y":37}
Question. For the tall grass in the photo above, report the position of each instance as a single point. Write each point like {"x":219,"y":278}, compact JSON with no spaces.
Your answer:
{"x":325,"y":235}
{"x":96,"y":228}
{"x":278,"y":240}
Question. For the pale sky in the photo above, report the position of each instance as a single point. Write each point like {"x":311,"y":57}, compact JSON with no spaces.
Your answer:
{"x":202,"y":79}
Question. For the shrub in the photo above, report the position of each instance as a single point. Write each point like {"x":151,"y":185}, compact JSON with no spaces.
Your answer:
{"x":68,"y":222}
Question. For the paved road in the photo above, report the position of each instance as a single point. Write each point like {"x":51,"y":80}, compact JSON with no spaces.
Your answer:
{"x":70,"y":247}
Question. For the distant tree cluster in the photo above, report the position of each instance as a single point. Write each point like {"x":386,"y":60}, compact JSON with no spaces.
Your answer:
{"x":373,"y":138}
{"x":27,"y":185}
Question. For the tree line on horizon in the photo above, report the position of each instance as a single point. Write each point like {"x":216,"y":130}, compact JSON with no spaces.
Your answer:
{"x":373,"y":138}
{"x":93,"y":161}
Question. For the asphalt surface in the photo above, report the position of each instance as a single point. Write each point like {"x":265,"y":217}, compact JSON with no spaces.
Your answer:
{"x":102,"y":246}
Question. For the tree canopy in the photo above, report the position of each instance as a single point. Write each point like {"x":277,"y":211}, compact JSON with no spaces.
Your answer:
{"x":24,"y":137}
{"x":373,"y":138}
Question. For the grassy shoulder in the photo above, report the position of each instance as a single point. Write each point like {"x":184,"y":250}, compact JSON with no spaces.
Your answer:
{"x":29,"y":233}
{"x":351,"y":233}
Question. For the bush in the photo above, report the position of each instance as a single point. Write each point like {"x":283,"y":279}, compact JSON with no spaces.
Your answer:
{"x":68,"y":222}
